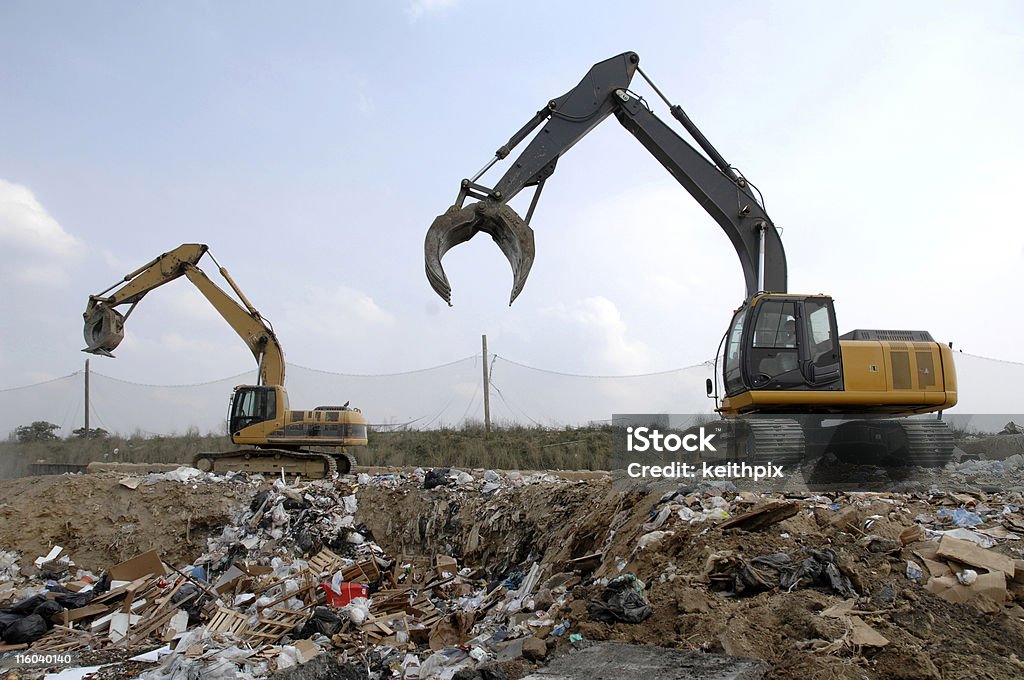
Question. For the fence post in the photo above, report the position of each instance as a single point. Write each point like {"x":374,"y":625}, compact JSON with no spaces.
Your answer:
{"x":86,"y":398}
{"x":487,"y":390}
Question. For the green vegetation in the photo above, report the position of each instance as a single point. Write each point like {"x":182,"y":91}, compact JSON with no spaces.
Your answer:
{"x":506,"y":447}
{"x":39,"y":431}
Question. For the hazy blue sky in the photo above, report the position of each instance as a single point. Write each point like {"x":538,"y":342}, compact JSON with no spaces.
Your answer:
{"x":310,"y":144}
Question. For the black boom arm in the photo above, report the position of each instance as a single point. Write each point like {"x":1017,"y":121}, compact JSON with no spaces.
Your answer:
{"x":718,"y":188}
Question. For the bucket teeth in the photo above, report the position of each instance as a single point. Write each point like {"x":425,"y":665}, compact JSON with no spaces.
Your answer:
{"x":104,"y":330}
{"x":458,"y":225}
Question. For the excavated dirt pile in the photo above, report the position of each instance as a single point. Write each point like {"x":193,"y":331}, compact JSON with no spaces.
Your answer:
{"x":100,"y":521}
{"x":925,"y":583}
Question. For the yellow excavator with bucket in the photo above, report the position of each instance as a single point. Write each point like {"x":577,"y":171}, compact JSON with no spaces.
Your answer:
{"x":260,"y":416}
{"x":785,"y":364}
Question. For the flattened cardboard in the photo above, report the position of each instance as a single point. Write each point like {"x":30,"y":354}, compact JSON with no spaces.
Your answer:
{"x":307,"y":649}
{"x":864,"y":635}
{"x":976,"y":556}
{"x":987,"y":593}
{"x":228,"y":579}
{"x":141,"y":565}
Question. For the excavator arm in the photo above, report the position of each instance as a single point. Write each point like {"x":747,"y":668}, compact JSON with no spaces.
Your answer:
{"x":721,"y":190}
{"x":104,"y":323}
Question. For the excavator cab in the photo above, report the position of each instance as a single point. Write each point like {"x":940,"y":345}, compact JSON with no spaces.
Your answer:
{"x":252,"y":404}
{"x":783,"y":342}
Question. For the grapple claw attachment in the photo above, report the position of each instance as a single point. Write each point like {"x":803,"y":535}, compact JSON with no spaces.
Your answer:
{"x":458,"y":225}
{"x":104,"y":330}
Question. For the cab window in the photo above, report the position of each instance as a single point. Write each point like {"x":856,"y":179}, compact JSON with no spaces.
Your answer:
{"x":823,"y":347}
{"x":776,"y":325}
{"x":253,"y":406}
{"x":774,"y":360}
{"x":733,"y":345}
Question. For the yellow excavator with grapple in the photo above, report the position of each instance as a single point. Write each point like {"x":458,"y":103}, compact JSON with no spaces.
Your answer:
{"x":260,"y":415}
{"x":788,"y":375}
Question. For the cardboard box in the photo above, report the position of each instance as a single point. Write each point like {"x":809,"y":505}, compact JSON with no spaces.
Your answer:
{"x":446,"y":566}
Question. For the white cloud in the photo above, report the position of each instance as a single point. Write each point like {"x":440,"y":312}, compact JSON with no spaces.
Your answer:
{"x":602,"y":333}
{"x":334,"y":312}
{"x":36,"y":247}
{"x":418,"y":8}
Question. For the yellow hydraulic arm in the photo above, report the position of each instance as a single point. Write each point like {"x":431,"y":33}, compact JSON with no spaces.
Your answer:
{"x":104,"y":325}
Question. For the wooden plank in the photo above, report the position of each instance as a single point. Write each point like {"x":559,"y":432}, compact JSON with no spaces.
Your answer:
{"x":12,"y":648}
{"x":115,"y":593}
{"x":158,"y":619}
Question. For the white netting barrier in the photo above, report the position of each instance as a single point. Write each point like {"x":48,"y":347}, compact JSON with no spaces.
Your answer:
{"x":446,"y":395}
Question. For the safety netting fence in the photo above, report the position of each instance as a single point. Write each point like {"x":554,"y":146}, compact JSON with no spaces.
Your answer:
{"x":449,"y":395}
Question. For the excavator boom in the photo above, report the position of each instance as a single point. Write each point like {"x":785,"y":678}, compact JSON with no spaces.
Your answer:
{"x":104,"y":323}
{"x":718,"y":187}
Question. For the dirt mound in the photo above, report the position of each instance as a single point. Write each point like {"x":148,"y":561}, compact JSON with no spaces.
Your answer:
{"x":100,"y":522}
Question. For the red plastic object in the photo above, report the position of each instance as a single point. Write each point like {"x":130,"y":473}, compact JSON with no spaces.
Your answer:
{"x":349,"y":591}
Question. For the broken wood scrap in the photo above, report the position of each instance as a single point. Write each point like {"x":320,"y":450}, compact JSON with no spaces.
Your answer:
{"x":158,"y":619}
{"x":762,"y":517}
{"x":273,"y":624}
{"x":227,"y":621}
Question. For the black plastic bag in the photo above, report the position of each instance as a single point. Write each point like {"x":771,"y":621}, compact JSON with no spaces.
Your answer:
{"x":436,"y":477}
{"x":75,"y":600}
{"x":257,"y":500}
{"x":819,"y":568}
{"x":26,"y":606}
{"x":192,"y":607}
{"x":292,"y":504}
{"x":48,"y":609}
{"x":324,"y":621}
{"x":622,"y":601}
{"x":27,"y":630}
{"x":7,"y":618}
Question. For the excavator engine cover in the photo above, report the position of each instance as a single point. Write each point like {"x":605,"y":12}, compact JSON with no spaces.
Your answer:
{"x":457,"y":225}
{"x":104,"y":330}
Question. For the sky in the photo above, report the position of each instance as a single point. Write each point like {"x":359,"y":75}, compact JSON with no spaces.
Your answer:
{"x":311,"y":144}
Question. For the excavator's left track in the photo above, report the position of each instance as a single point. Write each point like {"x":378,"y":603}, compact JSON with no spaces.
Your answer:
{"x":307,"y":464}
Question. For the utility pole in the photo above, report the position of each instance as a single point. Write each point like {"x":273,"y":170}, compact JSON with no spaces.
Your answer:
{"x":87,"y":398}
{"x":487,"y":391}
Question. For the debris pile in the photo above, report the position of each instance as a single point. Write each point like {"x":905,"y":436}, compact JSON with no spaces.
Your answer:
{"x":448,"y":573}
{"x":292,"y":575}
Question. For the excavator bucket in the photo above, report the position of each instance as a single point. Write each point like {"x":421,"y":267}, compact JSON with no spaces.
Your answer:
{"x":104,"y":330}
{"x":458,"y":225}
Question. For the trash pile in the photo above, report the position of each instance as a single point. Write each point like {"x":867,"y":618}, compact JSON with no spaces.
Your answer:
{"x":455,"y":574}
{"x":293,"y":575}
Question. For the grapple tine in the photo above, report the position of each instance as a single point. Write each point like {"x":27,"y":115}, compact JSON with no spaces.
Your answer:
{"x":458,"y":225}
{"x":104,"y":330}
